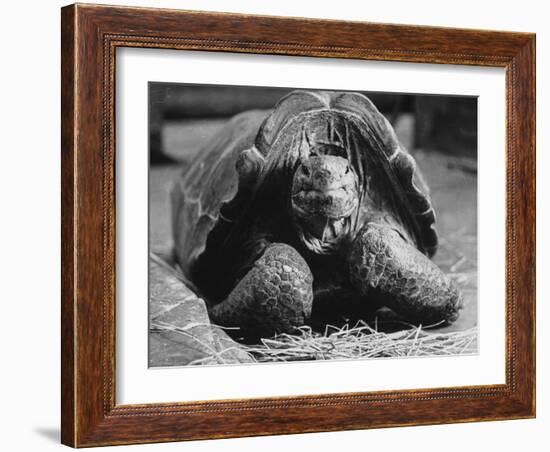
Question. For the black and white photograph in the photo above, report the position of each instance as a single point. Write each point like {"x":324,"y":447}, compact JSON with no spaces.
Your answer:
{"x":295,"y":224}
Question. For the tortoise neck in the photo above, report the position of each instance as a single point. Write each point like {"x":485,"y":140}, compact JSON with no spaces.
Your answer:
{"x":324,"y":236}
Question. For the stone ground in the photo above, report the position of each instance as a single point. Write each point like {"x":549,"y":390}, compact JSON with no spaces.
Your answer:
{"x":180,"y":332}
{"x":453,"y":187}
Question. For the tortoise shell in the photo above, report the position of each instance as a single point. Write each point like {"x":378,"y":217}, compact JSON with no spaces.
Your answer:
{"x":301,"y":122}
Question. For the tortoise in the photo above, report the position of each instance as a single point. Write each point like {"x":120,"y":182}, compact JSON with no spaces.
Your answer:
{"x":299,"y":212}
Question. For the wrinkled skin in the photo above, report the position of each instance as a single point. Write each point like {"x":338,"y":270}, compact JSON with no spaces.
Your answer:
{"x":383,"y":267}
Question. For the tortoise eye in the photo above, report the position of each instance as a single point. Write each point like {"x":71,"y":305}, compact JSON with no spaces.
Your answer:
{"x":306,"y":170}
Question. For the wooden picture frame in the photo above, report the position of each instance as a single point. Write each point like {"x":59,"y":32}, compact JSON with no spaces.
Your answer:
{"x":90,"y":36}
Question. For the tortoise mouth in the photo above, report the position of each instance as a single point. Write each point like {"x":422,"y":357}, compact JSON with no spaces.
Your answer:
{"x":324,"y":187}
{"x":334,"y":203}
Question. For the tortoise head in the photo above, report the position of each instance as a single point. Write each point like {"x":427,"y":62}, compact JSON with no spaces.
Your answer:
{"x":340,"y":158}
{"x":324,"y":196}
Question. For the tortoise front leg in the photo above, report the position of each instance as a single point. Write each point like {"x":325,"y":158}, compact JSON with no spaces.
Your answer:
{"x":409,"y":283}
{"x":275,"y":296}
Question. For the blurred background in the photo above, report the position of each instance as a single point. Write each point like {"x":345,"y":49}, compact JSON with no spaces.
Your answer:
{"x":180,"y":115}
{"x":440,"y":132}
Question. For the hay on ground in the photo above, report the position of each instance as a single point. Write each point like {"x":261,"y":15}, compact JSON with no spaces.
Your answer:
{"x":362,"y":341}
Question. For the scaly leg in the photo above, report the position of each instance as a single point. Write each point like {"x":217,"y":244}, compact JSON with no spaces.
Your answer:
{"x":275,"y":296}
{"x":408,"y":282}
